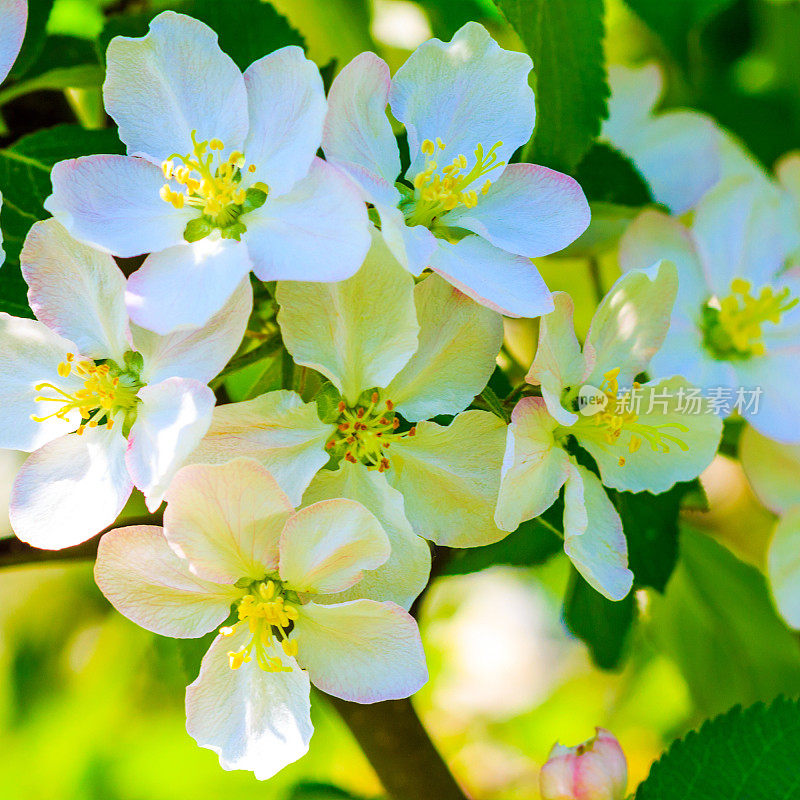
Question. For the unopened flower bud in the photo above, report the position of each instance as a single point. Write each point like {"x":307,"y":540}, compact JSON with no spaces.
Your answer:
{"x":594,"y":770}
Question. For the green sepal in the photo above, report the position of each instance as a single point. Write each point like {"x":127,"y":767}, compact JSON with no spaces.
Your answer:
{"x":254,"y":198}
{"x":134,"y":362}
{"x":327,"y":400}
{"x":233,"y":231}
{"x":197,"y":229}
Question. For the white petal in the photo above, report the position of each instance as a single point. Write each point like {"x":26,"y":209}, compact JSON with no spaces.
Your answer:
{"x":458,"y":346}
{"x":173,"y":417}
{"x":185,"y":286}
{"x":326,"y":546}
{"x":361,"y":651}
{"x":531,"y":211}
{"x":287,"y":106}
{"x":501,"y":281}
{"x":654,"y":236}
{"x":30,"y":354}
{"x":466,"y":91}
{"x":772,"y":469}
{"x":737,"y":227}
{"x":14,"y":14}
{"x":226,"y":519}
{"x":113,"y":203}
{"x":411,"y":246}
{"x":634,"y":93}
{"x":358,"y":136}
{"x":254,"y":720}
{"x":593,"y":538}
{"x":449,"y":478}
{"x":70,"y":489}
{"x":651,"y":468}
{"x":76,"y":291}
{"x":783,"y":566}
{"x":559,"y":362}
{"x":405,"y":574}
{"x":199,"y":353}
{"x":316,"y":232}
{"x":631,"y":322}
{"x":359,"y":332}
{"x":144,"y":580}
{"x":161,"y":87}
{"x":534,"y":467}
{"x":278,"y":430}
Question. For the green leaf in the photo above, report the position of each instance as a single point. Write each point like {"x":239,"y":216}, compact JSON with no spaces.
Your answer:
{"x":676,"y":20}
{"x":748,"y":754}
{"x":33,"y":43}
{"x":717,"y":622}
{"x":565,"y":40}
{"x":602,"y":624}
{"x":609,"y":221}
{"x":247,"y":29}
{"x":63,"y":51}
{"x":311,"y":790}
{"x":608,"y":176}
{"x":82,"y":76}
{"x":25,"y":178}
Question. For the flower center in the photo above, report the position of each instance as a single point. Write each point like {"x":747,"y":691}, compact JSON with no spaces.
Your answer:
{"x":618,"y":414}
{"x":213,"y":185}
{"x":107,"y":392}
{"x":438,"y":190}
{"x":732,"y":327}
{"x":269,"y":611}
{"x":365,"y":432}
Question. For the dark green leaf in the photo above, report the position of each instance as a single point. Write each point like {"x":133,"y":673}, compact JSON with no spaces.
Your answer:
{"x":447,"y":16}
{"x":311,"y":790}
{"x":565,"y":40}
{"x":746,"y":754}
{"x":25,"y":178}
{"x":61,"y":51}
{"x":606,"y":175}
{"x":33,"y":44}
{"x":602,"y":624}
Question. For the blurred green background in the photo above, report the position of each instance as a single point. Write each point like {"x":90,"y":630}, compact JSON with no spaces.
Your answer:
{"x":91,"y":707}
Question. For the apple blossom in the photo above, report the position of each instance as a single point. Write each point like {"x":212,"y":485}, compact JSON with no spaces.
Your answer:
{"x":221,"y":175}
{"x":638,"y":445}
{"x":465,"y":212}
{"x":735,"y":325}
{"x":593,"y":770}
{"x":773,"y":470}
{"x":101,"y":404}
{"x":231,"y":536}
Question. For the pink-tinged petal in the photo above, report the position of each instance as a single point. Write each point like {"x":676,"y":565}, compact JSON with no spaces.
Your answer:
{"x":173,"y":417}
{"x":254,"y":720}
{"x":70,"y":489}
{"x":226,"y":519}
{"x":143,"y":579}
{"x":287,"y":106}
{"x":326,"y":546}
{"x":200,"y":353}
{"x":29,"y":355}
{"x":502,"y":281}
{"x":466,"y":91}
{"x":161,"y":87}
{"x":278,"y":430}
{"x":593,"y":537}
{"x":411,"y":246}
{"x":405,"y":573}
{"x":531,"y":211}
{"x":14,"y":14}
{"x":559,"y":361}
{"x":76,"y":291}
{"x":772,"y":469}
{"x":113,"y":203}
{"x":361,"y":651}
{"x":185,"y":286}
{"x":316,"y":232}
{"x":358,"y":136}
{"x":534,"y":466}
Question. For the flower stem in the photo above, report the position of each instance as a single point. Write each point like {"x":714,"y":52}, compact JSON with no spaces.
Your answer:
{"x":401,"y":752}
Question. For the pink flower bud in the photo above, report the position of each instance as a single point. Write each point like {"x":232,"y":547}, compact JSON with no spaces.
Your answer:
{"x":594,"y":770}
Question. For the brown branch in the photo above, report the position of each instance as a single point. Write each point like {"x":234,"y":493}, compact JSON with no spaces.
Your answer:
{"x":401,"y":752}
{"x":13,"y":552}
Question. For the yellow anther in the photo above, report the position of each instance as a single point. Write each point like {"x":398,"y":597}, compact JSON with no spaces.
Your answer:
{"x":166,"y":168}
{"x":486,"y":186}
{"x":289,"y":647}
{"x":427,"y":147}
{"x":216,"y":144}
{"x":251,"y":168}
{"x":439,"y":143}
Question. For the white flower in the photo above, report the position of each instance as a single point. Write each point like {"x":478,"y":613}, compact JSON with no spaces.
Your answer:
{"x":735,"y":326}
{"x":231,"y":536}
{"x":102,"y":405}
{"x":637,"y":434}
{"x":464,"y":213}
{"x":773,"y":470}
{"x":244,"y":189}
{"x":14,"y":16}
{"x":399,"y":354}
